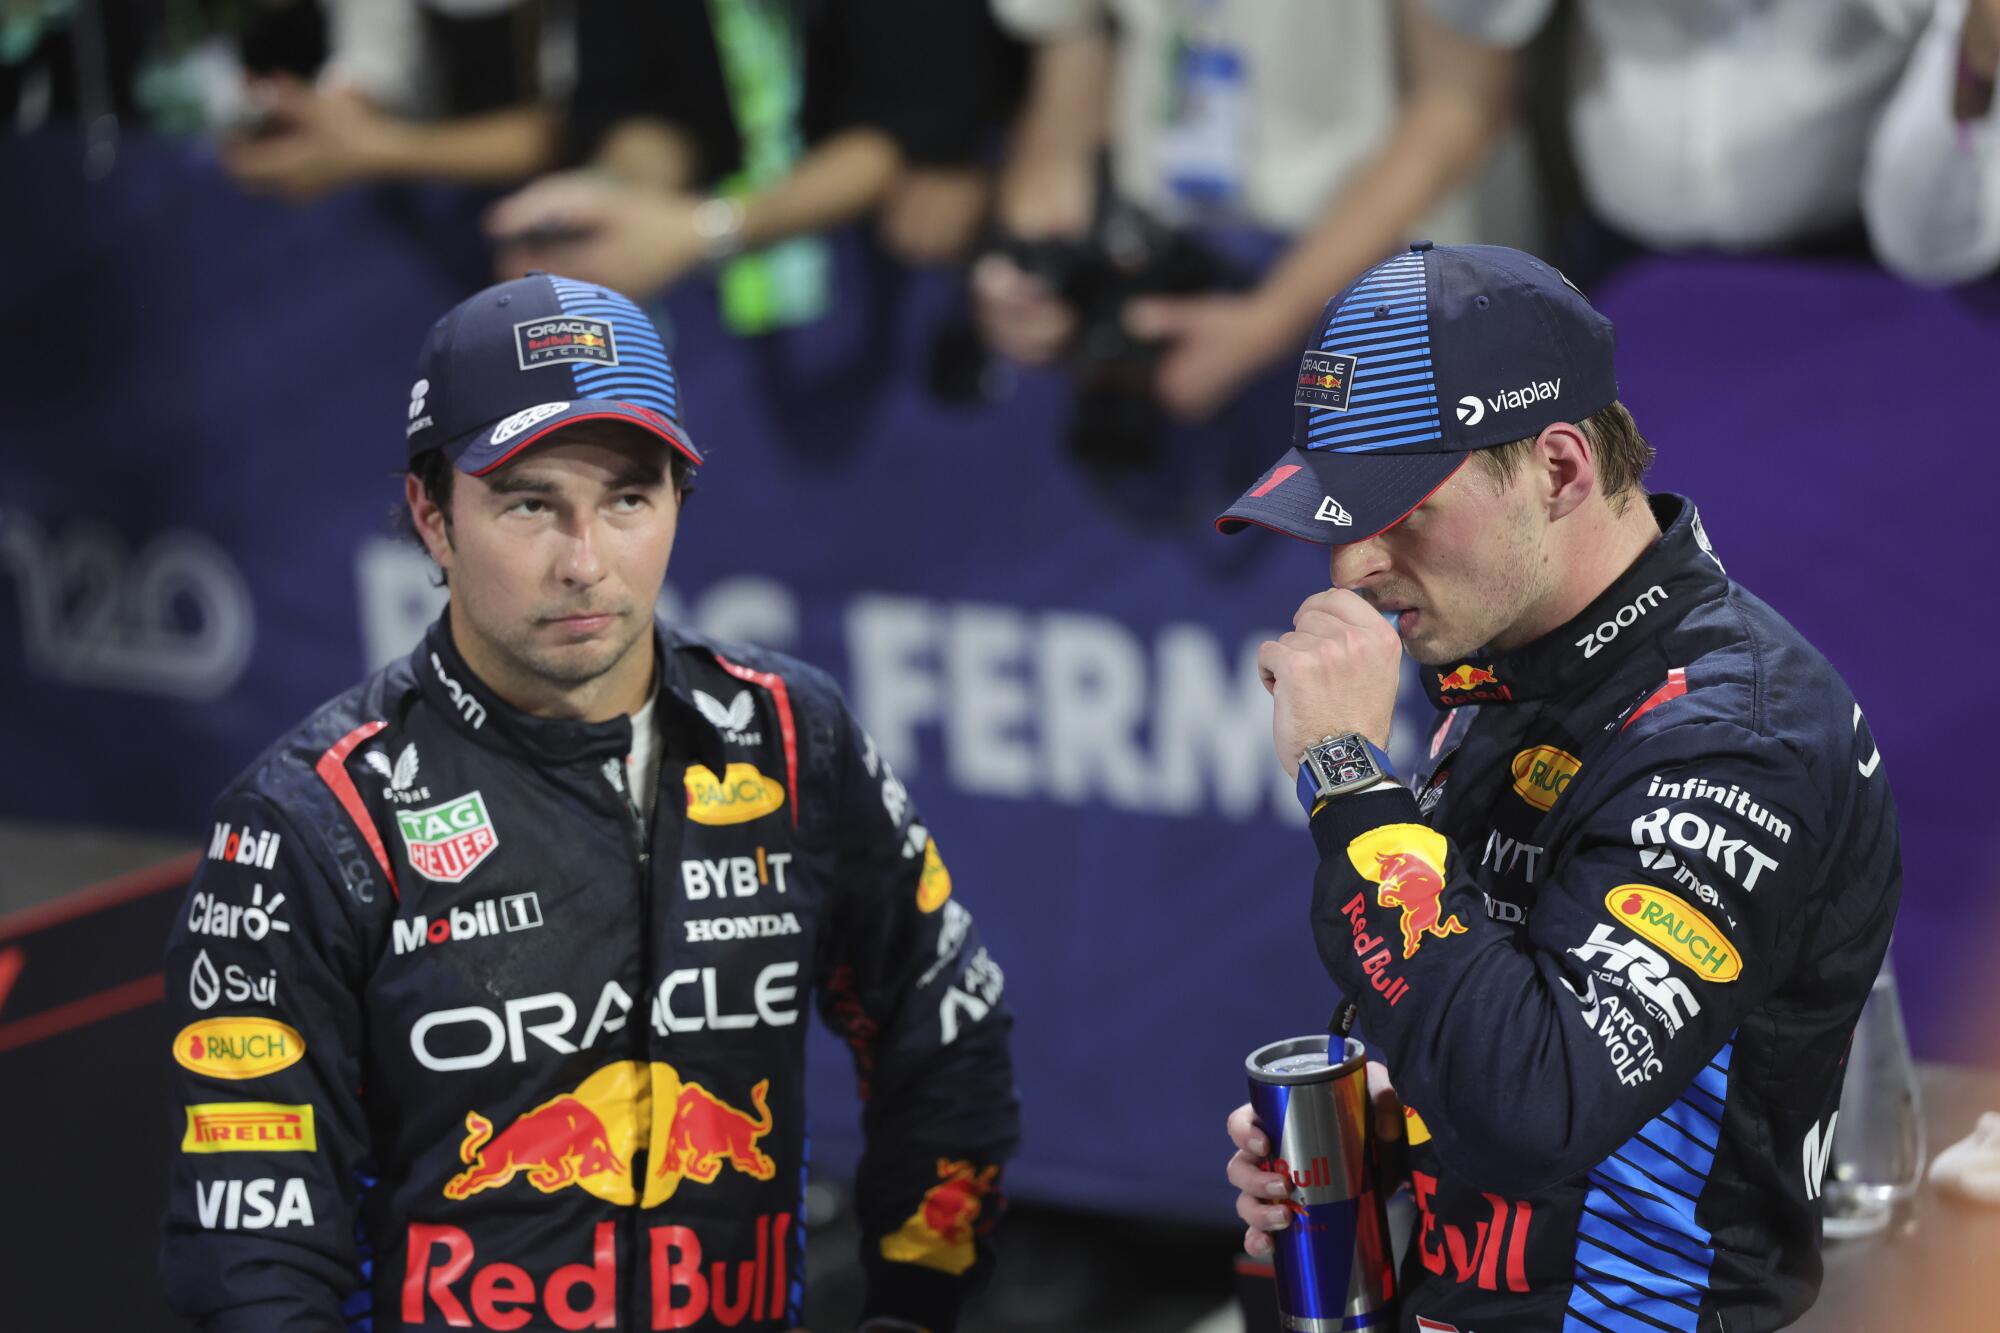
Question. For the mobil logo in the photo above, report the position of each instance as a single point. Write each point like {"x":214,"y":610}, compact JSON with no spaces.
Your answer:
{"x":589,"y":1136}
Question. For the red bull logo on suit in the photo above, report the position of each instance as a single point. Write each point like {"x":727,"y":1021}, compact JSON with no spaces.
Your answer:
{"x":589,"y":1137}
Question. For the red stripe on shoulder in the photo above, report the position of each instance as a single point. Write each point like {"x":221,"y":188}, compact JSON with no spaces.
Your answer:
{"x":1676,"y":686}
{"x":775,"y":683}
{"x":332,"y":770}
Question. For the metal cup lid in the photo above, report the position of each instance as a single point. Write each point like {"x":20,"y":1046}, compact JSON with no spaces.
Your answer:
{"x":1303,"y":1060}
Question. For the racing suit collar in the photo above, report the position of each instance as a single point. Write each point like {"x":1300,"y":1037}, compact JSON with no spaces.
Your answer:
{"x":1676,"y":573}
{"x":476,"y":711}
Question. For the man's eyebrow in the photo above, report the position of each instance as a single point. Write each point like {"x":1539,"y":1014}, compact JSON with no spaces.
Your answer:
{"x":638,"y":475}
{"x":516,"y":483}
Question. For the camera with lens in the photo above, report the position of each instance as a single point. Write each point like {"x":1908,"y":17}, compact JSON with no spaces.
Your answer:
{"x":1127,"y":253}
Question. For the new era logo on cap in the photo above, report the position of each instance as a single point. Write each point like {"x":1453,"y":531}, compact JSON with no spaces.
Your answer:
{"x":1331,"y":512}
{"x":565,"y":340}
{"x":1324,"y":380}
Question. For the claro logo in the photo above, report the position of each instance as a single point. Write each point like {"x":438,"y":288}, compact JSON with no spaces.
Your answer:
{"x":740,"y":795}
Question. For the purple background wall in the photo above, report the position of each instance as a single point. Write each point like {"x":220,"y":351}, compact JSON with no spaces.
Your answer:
{"x":199,"y":414}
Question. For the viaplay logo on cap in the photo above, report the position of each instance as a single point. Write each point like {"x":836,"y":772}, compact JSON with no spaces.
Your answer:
{"x":565,"y":340}
{"x":1324,"y":380}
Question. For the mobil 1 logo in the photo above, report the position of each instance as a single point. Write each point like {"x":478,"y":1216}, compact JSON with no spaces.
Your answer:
{"x":476,"y":920}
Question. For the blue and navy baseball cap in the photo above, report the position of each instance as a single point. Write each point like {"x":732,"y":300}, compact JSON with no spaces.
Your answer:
{"x":1425,"y":359}
{"x":503,"y":369}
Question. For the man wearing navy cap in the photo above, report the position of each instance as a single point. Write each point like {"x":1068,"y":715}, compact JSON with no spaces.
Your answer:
{"x":489,"y":994}
{"x":1612,"y":937}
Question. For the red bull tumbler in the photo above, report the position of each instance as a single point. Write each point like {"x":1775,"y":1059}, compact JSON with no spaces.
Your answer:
{"x":1334,"y":1264}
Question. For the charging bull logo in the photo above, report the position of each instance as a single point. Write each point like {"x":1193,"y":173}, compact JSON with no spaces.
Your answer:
{"x":940,"y":1233}
{"x":1465,"y":676}
{"x":708,"y":1131}
{"x":588,"y":1137}
{"x":1406,"y":863}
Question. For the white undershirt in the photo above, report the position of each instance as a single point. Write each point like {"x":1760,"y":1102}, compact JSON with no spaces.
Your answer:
{"x":642,"y":768}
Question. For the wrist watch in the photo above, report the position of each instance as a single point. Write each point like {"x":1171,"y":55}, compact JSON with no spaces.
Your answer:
{"x":1341,"y":766}
{"x":718,"y":222}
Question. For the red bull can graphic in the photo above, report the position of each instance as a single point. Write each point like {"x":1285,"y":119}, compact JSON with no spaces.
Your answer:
{"x":1334,"y":1263}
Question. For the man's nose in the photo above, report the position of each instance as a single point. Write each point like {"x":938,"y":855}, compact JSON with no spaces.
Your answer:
{"x":580,"y":562}
{"x":1354,"y":562}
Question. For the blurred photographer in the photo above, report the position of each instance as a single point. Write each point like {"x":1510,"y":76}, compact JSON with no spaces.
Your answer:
{"x":1336,"y":130}
{"x":464,"y":90}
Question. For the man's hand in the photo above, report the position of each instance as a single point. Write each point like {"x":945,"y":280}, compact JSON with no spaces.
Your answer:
{"x":315,"y":142}
{"x":586,"y":225}
{"x":1259,"y":1188}
{"x":1018,"y":313}
{"x":1215,"y":345}
{"x":1337,"y":671}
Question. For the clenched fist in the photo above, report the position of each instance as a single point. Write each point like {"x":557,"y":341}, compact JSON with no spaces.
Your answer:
{"x":1336,"y":672}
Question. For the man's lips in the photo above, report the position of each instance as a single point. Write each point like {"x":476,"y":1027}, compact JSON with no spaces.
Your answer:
{"x":589,"y":620}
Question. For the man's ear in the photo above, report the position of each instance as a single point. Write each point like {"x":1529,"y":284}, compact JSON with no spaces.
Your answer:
{"x":432,"y":523}
{"x":1565,"y":467}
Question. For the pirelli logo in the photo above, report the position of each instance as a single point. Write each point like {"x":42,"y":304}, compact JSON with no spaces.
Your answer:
{"x":249,"y":1127}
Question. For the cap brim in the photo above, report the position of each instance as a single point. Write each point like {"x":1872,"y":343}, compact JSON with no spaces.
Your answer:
{"x":479,"y":452}
{"x":1318,"y":495}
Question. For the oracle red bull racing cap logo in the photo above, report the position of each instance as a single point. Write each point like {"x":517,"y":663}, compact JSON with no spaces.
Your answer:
{"x":1406,"y":864}
{"x":565,"y":340}
{"x":590,"y":1136}
{"x":940,"y":1233}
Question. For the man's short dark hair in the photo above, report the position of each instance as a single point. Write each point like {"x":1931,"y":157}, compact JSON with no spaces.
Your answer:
{"x":1622,"y":455}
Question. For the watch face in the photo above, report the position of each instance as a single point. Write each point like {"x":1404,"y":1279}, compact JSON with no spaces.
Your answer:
{"x":1345,"y":760}
{"x":1351,"y":770}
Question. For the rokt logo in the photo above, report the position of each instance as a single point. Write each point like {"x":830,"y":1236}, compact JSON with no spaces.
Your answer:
{"x":488,"y":916}
{"x":588,"y":1138}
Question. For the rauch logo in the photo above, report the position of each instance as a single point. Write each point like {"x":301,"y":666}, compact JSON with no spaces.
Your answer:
{"x":234,"y":1048}
{"x":740,"y":795}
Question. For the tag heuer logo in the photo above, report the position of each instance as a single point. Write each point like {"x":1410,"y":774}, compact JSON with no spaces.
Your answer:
{"x":1324,"y":380}
{"x":447,"y":842}
{"x":1331,"y":512}
{"x":564,"y":340}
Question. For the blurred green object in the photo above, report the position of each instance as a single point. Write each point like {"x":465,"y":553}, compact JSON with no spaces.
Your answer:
{"x":22,"y":23}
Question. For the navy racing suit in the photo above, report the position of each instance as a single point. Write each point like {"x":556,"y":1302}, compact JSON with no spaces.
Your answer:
{"x":1612,"y":944}
{"x":464,"y":1042}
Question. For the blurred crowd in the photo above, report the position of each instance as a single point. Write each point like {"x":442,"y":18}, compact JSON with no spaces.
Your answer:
{"x":1157,"y":194}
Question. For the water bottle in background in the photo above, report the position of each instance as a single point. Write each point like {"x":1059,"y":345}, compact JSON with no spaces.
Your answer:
{"x":1878,"y":1140}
